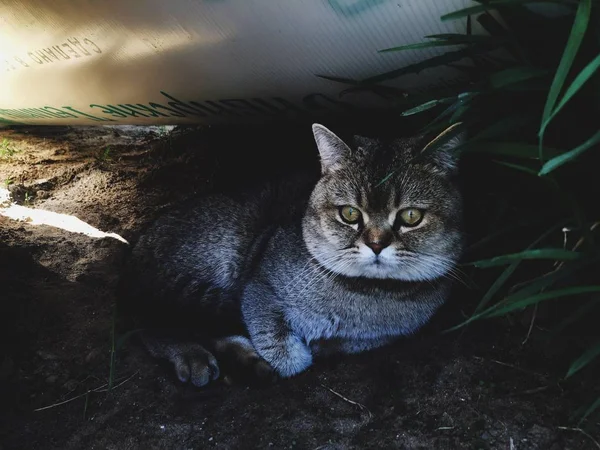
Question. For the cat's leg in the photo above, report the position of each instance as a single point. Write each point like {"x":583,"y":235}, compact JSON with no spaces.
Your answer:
{"x":271,"y":334}
{"x":240,"y":361}
{"x":192,"y":362}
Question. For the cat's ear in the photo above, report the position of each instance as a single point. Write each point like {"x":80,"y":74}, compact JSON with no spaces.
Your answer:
{"x":332,"y":149}
{"x":442,"y":149}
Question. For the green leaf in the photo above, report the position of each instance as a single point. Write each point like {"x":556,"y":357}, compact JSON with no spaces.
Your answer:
{"x":579,"y":81}
{"x":511,"y":305}
{"x":447,"y":39}
{"x":593,"y":407}
{"x":584,"y":359}
{"x":493,"y":4}
{"x":557,"y":254}
{"x":426,"y":106}
{"x":545,"y":281}
{"x":515,"y":75}
{"x":470,"y":38}
{"x":505,"y":275}
{"x":564,"y":158}
{"x":580,"y":24}
{"x":435,"y":61}
{"x":419,"y":45}
{"x":496,"y":285}
{"x":340,"y":80}
{"x":459,"y":113}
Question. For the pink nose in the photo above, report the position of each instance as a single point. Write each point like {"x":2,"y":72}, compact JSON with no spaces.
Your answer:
{"x":376,"y":247}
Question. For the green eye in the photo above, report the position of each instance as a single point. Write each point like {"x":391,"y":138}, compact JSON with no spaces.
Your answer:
{"x":411,"y":217}
{"x":350,"y":214}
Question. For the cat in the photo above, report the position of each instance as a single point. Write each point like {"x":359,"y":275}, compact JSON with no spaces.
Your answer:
{"x":263,"y":281}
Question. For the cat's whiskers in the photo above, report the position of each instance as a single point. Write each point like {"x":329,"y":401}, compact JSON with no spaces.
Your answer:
{"x":321,"y":274}
{"x":450,"y":272}
{"x":307,"y":271}
{"x":343,"y":264}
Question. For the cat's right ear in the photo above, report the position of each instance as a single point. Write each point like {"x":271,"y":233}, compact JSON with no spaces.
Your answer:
{"x":332,"y":149}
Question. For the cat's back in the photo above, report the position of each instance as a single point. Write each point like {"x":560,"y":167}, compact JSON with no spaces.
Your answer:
{"x":208,"y":243}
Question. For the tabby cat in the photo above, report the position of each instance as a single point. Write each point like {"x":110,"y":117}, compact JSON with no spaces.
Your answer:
{"x":266,"y":280}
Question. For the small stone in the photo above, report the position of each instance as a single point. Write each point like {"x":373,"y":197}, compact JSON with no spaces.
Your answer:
{"x":52,"y":379}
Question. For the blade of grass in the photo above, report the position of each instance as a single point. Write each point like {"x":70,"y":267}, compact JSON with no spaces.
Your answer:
{"x":340,"y":80}
{"x":435,"y":61}
{"x":564,"y":158}
{"x":593,"y":407}
{"x":443,"y":40}
{"x":113,"y":348}
{"x":493,"y":4}
{"x":580,"y":24}
{"x":545,"y":281}
{"x":590,"y":354}
{"x":87,"y":402}
{"x":557,"y":254}
{"x":426,"y":106}
{"x":575,"y":86}
{"x":448,"y":134}
{"x":512,"y":305}
{"x":459,"y":37}
{"x":505,"y":275}
{"x":420,"y":45}
{"x":459,"y":113}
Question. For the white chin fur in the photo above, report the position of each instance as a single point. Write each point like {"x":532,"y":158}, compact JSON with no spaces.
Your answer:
{"x":384,"y":267}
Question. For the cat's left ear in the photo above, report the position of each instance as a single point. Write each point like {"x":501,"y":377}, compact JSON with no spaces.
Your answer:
{"x":332,"y":149}
{"x":442,"y":150}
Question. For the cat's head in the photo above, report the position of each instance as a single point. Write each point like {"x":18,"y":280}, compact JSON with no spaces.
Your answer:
{"x":385,"y":209}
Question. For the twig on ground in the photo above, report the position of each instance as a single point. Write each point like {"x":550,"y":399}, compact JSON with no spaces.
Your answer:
{"x":102,"y":388}
{"x":530,"y":372}
{"x":352,"y":402}
{"x":535,"y":310}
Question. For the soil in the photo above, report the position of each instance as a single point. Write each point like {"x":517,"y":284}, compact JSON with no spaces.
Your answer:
{"x":480,"y":388}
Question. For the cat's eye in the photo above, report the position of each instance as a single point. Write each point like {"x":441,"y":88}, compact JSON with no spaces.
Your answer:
{"x":411,"y":217}
{"x":350,"y":214}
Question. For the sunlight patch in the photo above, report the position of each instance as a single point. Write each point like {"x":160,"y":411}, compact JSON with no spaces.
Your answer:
{"x":35,"y":216}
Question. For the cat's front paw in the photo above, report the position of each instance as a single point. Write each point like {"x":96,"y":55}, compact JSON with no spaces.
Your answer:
{"x":288,"y":357}
{"x":194,"y":363}
{"x":241,"y":363}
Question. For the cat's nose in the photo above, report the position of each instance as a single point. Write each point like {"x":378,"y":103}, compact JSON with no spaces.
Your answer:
{"x":377,"y":239}
{"x":377,"y":247}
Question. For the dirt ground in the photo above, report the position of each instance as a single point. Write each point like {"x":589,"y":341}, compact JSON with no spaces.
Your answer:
{"x":476,"y":389}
